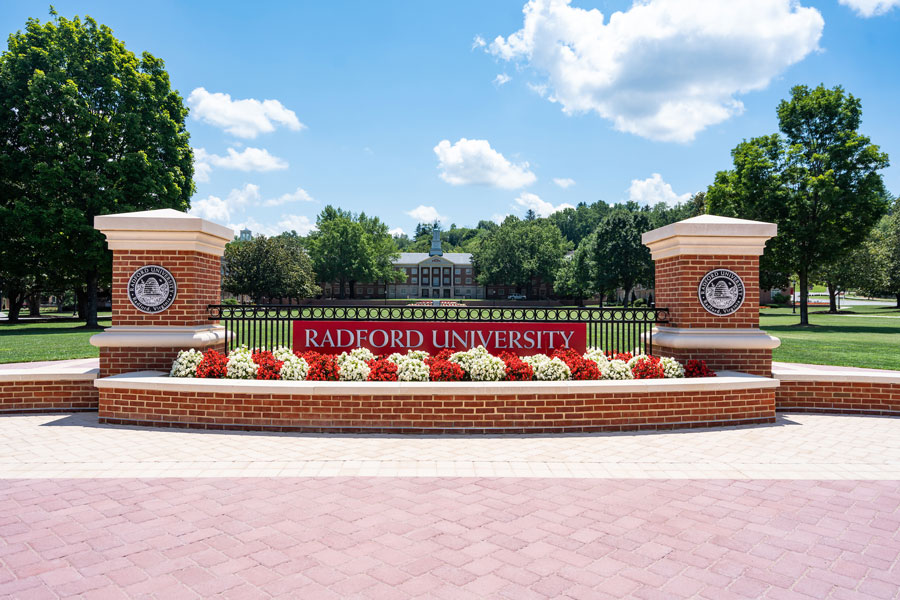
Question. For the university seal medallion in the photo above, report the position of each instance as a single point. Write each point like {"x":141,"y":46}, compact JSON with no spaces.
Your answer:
{"x":721,"y":292}
{"x":152,"y":289}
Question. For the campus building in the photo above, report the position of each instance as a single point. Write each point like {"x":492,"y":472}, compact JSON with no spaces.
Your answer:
{"x":432,"y":274}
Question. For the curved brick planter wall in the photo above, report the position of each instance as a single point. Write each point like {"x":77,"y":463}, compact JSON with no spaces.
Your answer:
{"x":861,"y":391}
{"x":47,"y":390}
{"x":533,"y":407}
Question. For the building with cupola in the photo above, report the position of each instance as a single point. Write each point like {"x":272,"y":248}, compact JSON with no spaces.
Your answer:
{"x":432,"y":274}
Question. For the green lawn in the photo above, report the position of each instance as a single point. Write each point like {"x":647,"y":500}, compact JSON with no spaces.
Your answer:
{"x":849,"y":339}
{"x":26,"y":342}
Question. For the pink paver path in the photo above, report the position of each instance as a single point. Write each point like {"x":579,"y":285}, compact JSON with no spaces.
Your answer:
{"x":320,"y":538}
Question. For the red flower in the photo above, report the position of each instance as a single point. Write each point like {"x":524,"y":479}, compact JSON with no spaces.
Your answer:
{"x":322,"y":367}
{"x":581,"y":368}
{"x":516,"y":368}
{"x":381,"y":369}
{"x":444,"y":354}
{"x":444,"y":370}
{"x":692,"y":368}
{"x":213,"y":366}
{"x":268,"y":367}
{"x":616,"y":355}
{"x":648,"y":368}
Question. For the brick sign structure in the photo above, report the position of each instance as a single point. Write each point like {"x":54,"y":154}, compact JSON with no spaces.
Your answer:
{"x":385,"y":337}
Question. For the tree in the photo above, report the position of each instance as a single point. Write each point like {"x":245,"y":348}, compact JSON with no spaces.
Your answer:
{"x":88,"y":129}
{"x":276,"y":267}
{"x":857,"y":269}
{"x":349,"y":248}
{"x":618,"y":257}
{"x":885,"y":246}
{"x":519,"y":252}
{"x":818,"y":181}
{"x":574,"y":277}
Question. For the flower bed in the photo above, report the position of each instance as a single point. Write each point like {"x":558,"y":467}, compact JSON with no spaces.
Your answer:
{"x":476,"y":364}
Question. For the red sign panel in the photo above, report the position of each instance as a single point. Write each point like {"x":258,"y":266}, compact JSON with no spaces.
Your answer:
{"x":386,"y":337}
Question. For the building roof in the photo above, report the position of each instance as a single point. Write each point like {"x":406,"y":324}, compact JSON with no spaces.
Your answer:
{"x":414,"y":258}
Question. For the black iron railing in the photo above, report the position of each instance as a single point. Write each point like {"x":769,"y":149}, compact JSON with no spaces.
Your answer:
{"x":621,"y":329}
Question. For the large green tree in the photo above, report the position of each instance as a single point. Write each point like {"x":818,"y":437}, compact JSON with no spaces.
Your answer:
{"x":520,"y":252}
{"x":273,"y":267}
{"x":885,"y":246}
{"x":617,"y":256}
{"x":349,"y":248}
{"x":818,"y":181}
{"x":88,"y":128}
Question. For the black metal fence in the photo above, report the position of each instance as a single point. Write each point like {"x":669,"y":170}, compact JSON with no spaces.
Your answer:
{"x":621,"y":329}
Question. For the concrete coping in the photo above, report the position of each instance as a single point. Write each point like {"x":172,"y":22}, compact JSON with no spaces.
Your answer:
{"x":709,"y":235}
{"x":164,"y":229}
{"x":152,"y":336}
{"x":829,"y":374}
{"x":49,"y":373}
{"x":159,"y":381}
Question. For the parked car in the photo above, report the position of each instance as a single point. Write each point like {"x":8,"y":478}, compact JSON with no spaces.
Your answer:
{"x":516,"y":297}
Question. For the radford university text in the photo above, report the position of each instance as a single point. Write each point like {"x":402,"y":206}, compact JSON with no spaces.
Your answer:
{"x":385,"y":337}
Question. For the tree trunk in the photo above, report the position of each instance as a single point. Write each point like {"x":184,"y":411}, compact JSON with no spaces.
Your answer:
{"x":16,"y":299}
{"x":81,"y":303}
{"x":628,"y":290}
{"x":804,"y":296}
{"x":898,"y":299}
{"x":34,"y":304}
{"x":832,"y":297}
{"x":91,"y":308}
{"x":341,"y":295}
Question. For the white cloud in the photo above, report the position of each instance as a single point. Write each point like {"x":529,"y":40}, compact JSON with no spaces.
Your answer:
{"x":564,"y":182}
{"x":502,"y":79}
{"x":542,"y":208}
{"x":241,"y":118}
{"x":300,"y":195}
{"x":255,"y":227}
{"x":870,"y":8}
{"x":654,"y":190}
{"x":478,"y":42}
{"x":248,"y":159}
{"x":217,"y":209}
{"x":212,"y":208}
{"x":396,"y":231}
{"x":299,"y":223}
{"x":538,"y":88}
{"x":426,"y":214}
{"x":663,"y":69}
{"x":475,"y":162}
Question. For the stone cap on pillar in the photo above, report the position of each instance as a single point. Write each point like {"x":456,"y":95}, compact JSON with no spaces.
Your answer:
{"x":710,"y":235}
{"x":163,"y":229}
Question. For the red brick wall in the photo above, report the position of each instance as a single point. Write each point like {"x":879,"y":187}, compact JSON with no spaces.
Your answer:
{"x":197,"y":275}
{"x":677,"y":278}
{"x":114,"y":361}
{"x":755,"y":362}
{"x":839,"y":397}
{"x":533,"y":413}
{"x":47,"y":396}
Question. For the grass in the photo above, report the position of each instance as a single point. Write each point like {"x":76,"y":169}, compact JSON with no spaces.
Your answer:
{"x":858,"y":337}
{"x":27,"y":342}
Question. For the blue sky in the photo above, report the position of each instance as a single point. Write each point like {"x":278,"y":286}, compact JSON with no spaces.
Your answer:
{"x":409,"y":110}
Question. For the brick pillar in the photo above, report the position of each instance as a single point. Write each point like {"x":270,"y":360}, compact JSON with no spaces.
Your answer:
{"x":701,"y":265}
{"x":166,"y":270}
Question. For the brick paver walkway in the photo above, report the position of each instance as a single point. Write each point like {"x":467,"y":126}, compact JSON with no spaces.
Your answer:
{"x":322,"y":538}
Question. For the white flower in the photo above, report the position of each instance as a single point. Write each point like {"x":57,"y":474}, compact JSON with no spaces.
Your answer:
{"x":617,"y":369}
{"x":418,"y":354}
{"x":598,"y":356}
{"x":240,"y":364}
{"x":553,"y":369}
{"x":536,"y":359}
{"x":363,"y":354}
{"x":634,"y":359}
{"x":282,"y":353}
{"x":480,"y":365}
{"x":185,"y":364}
{"x":353,"y":368}
{"x":294,"y":368}
{"x":671,"y":367}
{"x":410,"y":368}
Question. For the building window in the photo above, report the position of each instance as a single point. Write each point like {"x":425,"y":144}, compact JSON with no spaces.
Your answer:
{"x":456,"y":280}
{"x":492,"y":291}
{"x":425,"y":280}
{"x":468,"y":280}
{"x":468,"y":271}
{"x":458,"y":271}
{"x":414,"y":270}
{"x":369,"y":290}
{"x":413,"y":280}
{"x":403,"y":291}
